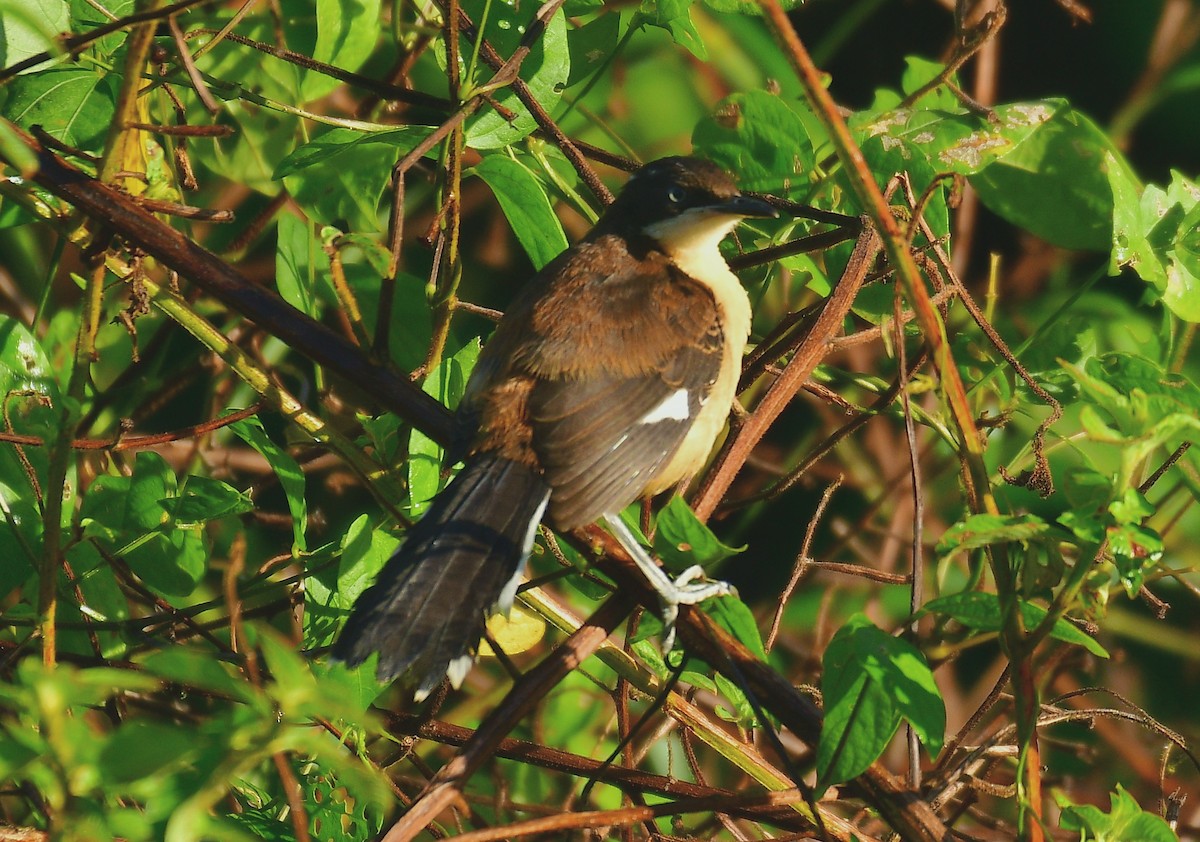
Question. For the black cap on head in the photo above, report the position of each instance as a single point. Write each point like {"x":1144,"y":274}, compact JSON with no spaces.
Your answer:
{"x":668,"y":187}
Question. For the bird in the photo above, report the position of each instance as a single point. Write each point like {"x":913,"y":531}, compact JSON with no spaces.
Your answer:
{"x":608,"y":379}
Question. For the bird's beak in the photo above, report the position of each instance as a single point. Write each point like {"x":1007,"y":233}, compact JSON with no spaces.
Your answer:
{"x":742,"y":205}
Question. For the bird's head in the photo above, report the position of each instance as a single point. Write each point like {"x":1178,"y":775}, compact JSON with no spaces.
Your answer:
{"x":681,"y":203}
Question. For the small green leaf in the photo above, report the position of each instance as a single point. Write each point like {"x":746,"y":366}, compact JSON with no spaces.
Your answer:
{"x":526,"y":205}
{"x":193,"y":668}
{"x":296,"y":266}
{"x":203,"y":499}
{"x":983,"y":529}
{"x":681,"y":539}
{"x":675,"y":16}
{"x":981,"y":611}
{"x":291,"y":478}
{"x":1125,"y":822}
{"x":592,"y":45}
{"x":446,"y":383}
{"x":130,"y":517}
{"x":735,"y":616}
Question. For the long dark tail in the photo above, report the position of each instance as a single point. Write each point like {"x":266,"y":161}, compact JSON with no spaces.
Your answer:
{"x":425,"y":613}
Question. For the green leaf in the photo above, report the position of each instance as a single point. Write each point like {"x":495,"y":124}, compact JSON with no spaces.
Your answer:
{"x":296,"y":267}
{"x":103,"y":599}
{"x":870,"y":682}
{"x":1125,"y":822}
{"x":981,"y":611}
{"x":982,"y":530}
{"x":675,"y":16}
{"x":338,"y":177}
{"x":592,"y":45}
{"x":346,"y":34}
{"x":291,"y":478}
{"x":735,"y":616}
{"x":446,"y":383}
{"x":28,"y":27}
{"x":524,"y":202}
{"x":1055,"y":184}
{"x":32,"y":405}
{"x":193,"y":668}
{"x":73,"y":105}
{"x":760,"y":138}
{"x":203,"y":499}
{"x":142,"y":748}
{"x":545,"y":70}
{"x":681,"y":539}
{"x":131,"y":517}
{"x":87,"y":15}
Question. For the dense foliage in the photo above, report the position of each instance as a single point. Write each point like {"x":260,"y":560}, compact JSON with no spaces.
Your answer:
{"x":959,"y":508}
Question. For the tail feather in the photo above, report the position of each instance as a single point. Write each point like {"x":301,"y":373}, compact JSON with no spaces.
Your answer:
{"x":426,"y":611}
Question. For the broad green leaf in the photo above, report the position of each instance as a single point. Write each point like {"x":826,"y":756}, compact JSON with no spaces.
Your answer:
{"x":681,"y":539}
{"x":526,"y":205}
{"x":1055,"y":183}
{"x":130,"y":517}
{"x":982,"y":529}
{"x":142,"y":748}
{"x":74,"y":105}
{"x":981,"y":611}
{"x":336,"y":142}
{"x":291,"y":478}
{"x":1156,"y":233}
{"x":365,"y":549}
{"x":29,"y":27}
{"x":425,"y":456}
{"x":545,"y":70}
{"x":338,"y":177}
{"x":1125,"y":822}
{"x":346,"y":34}
{"x":759,"y":137}
{"x":592,"y":45}
{"x":870,"y":682}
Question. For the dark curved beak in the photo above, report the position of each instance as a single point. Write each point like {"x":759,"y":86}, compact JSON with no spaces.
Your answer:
{"x":742,"y":205}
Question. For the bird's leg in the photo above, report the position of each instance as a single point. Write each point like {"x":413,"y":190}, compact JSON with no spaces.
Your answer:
{"x":671,"y":593}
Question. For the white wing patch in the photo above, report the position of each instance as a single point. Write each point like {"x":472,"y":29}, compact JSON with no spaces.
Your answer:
{"x":674,"y":407}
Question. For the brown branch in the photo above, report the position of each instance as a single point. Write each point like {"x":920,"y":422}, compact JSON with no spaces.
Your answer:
{"x":73,"y":45}
{"x":629,"y":815}
{"x":780,"y":394}
{"x":447,"y":784}
{"x":626,"y":779}
{"x":120,"y":442}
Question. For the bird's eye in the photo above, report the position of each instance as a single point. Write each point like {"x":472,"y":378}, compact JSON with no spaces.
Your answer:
{"x":675,"y":195}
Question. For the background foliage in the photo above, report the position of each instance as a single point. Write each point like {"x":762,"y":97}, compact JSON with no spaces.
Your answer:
{"x":191,"y":505}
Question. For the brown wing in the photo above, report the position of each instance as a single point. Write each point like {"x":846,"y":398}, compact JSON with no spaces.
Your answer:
{"x":608,"y":372}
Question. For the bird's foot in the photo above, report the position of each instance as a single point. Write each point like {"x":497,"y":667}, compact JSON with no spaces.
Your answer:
{"x":672,"y":593}
{"x":685,"y":590}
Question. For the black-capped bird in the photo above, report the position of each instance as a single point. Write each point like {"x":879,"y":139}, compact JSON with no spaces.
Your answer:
{"x":609,"y":378}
